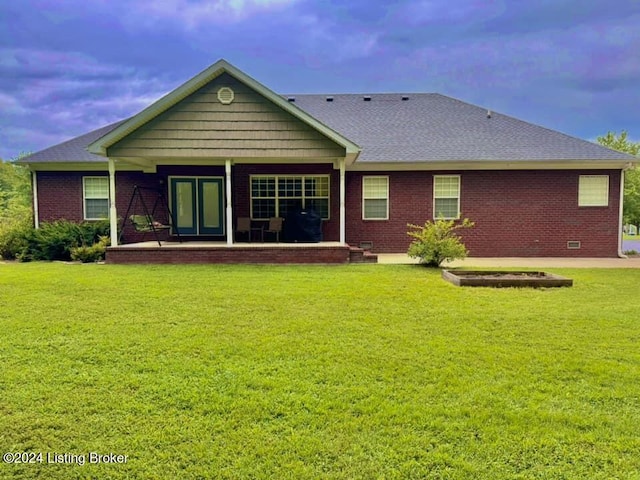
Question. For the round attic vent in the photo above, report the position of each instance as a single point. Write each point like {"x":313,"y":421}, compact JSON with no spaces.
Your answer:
{"x":225,"y":95}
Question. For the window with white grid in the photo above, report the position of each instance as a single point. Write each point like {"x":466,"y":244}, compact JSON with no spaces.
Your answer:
{"x":278,"y":196}
{"x":96,"y":197}
{"x":375,"y":198}
{"x":593,"y":191}
{"x":446,"y":196}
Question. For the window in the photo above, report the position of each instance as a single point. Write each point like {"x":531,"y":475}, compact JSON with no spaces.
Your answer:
{"x":446,"y":196}
{"x":593,"y":191}
{"x":277,"y":196}
{"x":96,"y":198}
{"x":375,"y":198}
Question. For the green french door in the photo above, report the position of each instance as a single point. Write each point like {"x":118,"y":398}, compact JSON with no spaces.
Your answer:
{"x":198,"y":205}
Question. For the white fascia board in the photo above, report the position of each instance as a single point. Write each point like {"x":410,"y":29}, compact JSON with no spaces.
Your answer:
{"x":483,"y":165}
{"x":78,"y":167}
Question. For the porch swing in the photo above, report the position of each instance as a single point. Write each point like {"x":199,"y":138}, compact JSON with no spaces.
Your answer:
{"x":146,"y":223}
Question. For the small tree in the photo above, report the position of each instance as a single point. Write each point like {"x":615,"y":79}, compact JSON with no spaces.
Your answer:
{"x":631,"y":203}
{"x":436,"y":242}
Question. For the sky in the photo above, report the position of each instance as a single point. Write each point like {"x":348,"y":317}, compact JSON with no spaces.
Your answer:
{"x":70,"y":66}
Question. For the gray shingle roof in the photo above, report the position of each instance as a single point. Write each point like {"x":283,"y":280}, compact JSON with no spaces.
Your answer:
{"x":429,"y":127}
{"x":73,"y":150}
{"x":426,"y":127}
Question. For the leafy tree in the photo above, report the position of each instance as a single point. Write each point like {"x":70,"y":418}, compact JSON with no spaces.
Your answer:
{"x":631,"y":209}
{"x":15,"y":188}
{"x":620,"y":143}
{"x":16,"y":219}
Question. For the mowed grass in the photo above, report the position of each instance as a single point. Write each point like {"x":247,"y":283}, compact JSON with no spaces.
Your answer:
{"x":296,"y":372}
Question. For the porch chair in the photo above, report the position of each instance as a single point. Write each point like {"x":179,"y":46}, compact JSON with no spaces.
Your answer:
{"x":243,"y":226}
{"x":275,"y":227}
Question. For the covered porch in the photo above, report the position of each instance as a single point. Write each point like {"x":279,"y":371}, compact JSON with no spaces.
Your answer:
{"x":223,"y":148}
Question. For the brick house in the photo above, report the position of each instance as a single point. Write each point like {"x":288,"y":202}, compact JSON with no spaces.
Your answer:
{"x":222,"y":147}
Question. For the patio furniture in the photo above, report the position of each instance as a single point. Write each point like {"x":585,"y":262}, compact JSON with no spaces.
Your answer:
{"x":245,"y":226}
{"x":275,"y":227}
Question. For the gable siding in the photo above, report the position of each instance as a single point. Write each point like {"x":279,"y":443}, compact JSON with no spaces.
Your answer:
{"x":251,"y":126}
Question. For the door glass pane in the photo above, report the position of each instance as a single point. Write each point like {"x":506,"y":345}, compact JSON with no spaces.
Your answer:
{"x":210,"y":204}
{"x":184,"y":204}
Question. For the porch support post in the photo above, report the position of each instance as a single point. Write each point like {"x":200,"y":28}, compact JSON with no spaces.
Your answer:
{"x":229,"y":215}
{"x":343,"y":222}
{"x":113,"y":214}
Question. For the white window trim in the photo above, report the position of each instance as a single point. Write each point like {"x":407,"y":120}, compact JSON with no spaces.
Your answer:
{"x":433,"y":203}
{"x":84,"y":196}
{"x":386,"y":217}
{"x":304,"y":198}
{"x":606,"y":197}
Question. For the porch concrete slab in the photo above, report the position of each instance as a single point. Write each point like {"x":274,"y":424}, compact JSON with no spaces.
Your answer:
{"x":542,"y":262}
{"x":197,"y":244}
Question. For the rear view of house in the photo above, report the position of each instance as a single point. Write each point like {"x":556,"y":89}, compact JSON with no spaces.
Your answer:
{"x":223,"y":150}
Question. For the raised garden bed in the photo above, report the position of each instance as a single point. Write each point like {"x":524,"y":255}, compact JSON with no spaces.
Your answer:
{"x":503,"y":279}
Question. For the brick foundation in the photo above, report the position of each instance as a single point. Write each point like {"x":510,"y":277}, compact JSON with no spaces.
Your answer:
{"x":223,"y":254}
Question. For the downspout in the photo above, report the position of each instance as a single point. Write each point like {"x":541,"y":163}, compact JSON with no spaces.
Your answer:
{"x":113,"y":214}
{"x":229,"y":208}
{"x":621,"y":206}
{"x":34,"y":189}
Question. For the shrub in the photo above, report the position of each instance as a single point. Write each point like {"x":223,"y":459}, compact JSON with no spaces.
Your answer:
{"x":53,"y":241}
{"x":436,"y":242}
{"x":14,"y":232}
{"x":93,"y":253}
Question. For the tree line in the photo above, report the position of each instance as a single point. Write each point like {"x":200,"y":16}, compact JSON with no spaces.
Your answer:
{"x":15,"y":191}
{"x":631,"y":209}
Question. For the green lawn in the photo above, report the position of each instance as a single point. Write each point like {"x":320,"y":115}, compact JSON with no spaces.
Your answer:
{"x":296,"y":372}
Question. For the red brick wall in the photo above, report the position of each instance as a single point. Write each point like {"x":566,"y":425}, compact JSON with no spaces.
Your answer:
{"x":60,"y":195}
{"x":516,"y":213}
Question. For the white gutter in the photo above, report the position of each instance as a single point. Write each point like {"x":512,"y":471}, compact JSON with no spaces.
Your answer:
{"x":36,"y":214}
{"x":621,"y":205}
